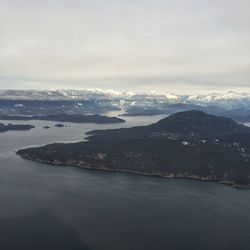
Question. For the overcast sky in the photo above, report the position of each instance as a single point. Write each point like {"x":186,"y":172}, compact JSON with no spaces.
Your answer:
{"x":170,"y":45}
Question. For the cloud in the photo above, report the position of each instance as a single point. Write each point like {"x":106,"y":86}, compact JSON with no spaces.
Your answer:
{"x":124,"y":44}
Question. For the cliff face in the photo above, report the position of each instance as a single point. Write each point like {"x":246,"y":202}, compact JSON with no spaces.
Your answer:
{"x":189,"y":144}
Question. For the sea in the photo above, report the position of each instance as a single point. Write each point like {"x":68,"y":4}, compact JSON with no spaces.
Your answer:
{"x":45,"y":207}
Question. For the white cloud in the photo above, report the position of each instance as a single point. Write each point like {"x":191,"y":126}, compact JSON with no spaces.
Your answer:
{"x":124,"y":44}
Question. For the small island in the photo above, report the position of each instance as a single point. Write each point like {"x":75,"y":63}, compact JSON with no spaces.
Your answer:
{"x":189,"y":144}
{"x":59,"y":125}
{"x":74,"y":118}
{"x":5,"y":128}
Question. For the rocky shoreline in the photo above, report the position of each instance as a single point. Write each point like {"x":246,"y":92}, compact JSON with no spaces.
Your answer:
{"x":154,"y":174}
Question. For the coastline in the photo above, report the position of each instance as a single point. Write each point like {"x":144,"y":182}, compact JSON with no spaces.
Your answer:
{"x":154,"y":174}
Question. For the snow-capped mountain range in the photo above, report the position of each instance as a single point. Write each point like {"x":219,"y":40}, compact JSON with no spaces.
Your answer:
{"x":226,"y":100}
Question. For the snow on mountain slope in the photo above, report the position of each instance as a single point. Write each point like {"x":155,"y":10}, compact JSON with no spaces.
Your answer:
{"x":225,"y":100}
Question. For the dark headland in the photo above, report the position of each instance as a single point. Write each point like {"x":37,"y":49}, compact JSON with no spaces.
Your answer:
{"x":189,"y":144}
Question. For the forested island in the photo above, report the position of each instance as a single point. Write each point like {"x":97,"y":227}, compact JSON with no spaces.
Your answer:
{"x":189,"y":144}
{"x":5,"y":128}
{"x":74,"y":118}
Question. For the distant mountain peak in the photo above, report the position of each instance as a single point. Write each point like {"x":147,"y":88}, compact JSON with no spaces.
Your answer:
{"x":187,"y":124}
{"x":230,"y":99}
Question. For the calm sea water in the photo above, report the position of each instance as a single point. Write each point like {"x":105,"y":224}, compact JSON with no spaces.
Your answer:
{"x":45,"y":207}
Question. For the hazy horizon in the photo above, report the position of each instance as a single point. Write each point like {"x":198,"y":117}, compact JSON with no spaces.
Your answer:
{"x":139,"y":91}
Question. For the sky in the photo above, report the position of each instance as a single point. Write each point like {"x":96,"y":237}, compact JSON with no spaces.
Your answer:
{"x":166,"y":45}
